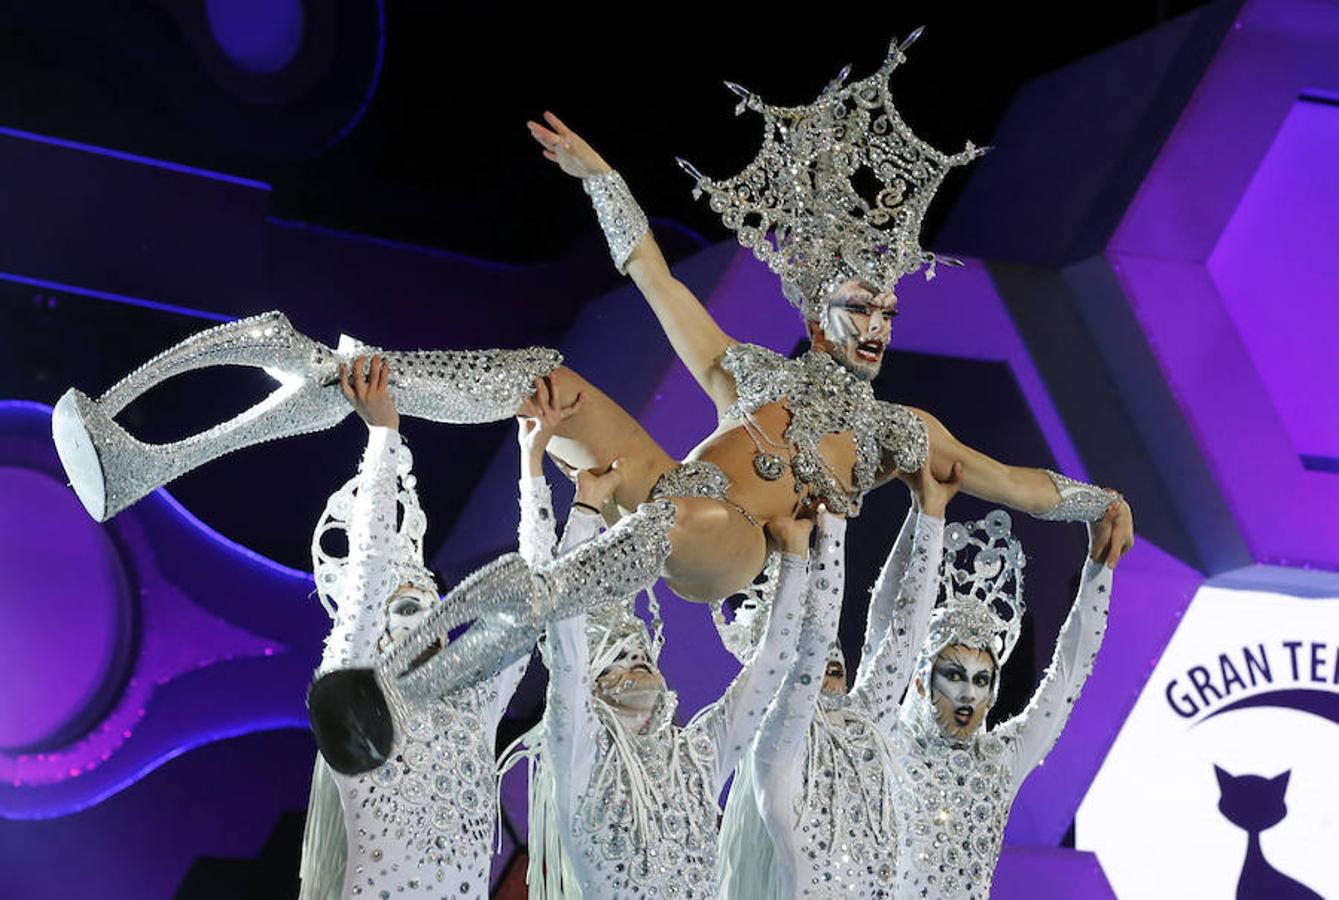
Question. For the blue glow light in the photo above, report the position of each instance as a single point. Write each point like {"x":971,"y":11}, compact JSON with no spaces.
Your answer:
{"x":49,"y":285}
{"x":134,"y":158}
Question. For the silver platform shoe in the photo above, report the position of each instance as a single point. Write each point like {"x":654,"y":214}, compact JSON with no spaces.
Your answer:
{"x":110,"y":469}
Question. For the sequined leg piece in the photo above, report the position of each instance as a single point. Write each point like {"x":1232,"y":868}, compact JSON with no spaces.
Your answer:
{"x":1079,"y":502}
{"x":510,"y":602}
{"x":110,"y":469}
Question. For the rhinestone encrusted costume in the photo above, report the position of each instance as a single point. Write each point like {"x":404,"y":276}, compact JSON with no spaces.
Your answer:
{"x":636,"y":812}
{"x":951,"y":798}
{"x":823,"y":765}
{"x":420,"y":825}
{"x":825,"y":398}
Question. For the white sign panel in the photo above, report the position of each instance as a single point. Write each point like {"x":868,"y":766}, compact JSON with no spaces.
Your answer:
{"x":1224,"y":781}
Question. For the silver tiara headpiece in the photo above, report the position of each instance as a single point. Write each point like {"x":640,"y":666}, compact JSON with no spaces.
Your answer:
{"x":329,"y":568}
{"x":981,"y":587}
{"x":837,"y":191}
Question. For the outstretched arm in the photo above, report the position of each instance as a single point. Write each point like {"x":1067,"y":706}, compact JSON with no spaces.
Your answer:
{"x":697,"y":339}
{"x":780,"y":747}
{"x":1032,"y":733}
{"x":732,"y":721}
{"x":1034,"y":491}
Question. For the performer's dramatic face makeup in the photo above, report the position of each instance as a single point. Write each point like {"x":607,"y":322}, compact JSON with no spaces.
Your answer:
{"x":855,"y":326}
{"x":631,"y":682}
{"x":406,"y":608}
{"x":834,"y":672}
{"x":962,"y":683}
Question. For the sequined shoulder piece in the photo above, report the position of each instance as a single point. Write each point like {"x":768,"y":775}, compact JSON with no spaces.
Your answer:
{"x":761,"y":376}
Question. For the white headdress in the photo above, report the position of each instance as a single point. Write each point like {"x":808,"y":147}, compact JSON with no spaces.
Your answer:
{"x":980,"y":602}
{"x":838,"y":189}
{"x":331,"y":569}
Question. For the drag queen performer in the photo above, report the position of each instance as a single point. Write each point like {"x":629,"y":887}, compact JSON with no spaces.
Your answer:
{"x":792,"y":433}
{"x":421,"y":823}
{"x":623,"y":800}
{"x":810,"y":813}
{"x":955,"y":779}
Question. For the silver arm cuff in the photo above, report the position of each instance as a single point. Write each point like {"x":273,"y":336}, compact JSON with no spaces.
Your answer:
{"x":622,"y":220}
{"x":1079,"y":502}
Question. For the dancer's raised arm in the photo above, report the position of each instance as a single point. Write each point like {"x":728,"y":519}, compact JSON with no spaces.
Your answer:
{"x":697,"y":339}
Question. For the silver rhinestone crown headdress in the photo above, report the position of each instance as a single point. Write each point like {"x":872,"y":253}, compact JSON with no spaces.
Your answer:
{"x":981,"y":587}
{"x":838,"y":189}
{"x":329,"y":569}
{"x":612,"y":628}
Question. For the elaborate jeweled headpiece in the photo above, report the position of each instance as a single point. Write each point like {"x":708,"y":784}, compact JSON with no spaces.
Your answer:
{"x":329,"y":569}
{"x":617,"y":628}
{"x":981,"y":587}
{"x":741,"y":636}
{"x":838,"y":190}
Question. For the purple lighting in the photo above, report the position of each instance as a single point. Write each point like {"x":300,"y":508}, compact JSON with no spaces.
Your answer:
{"x":261,"y":36}
{"x":65,"y":613}
{"x":1273,"y":268}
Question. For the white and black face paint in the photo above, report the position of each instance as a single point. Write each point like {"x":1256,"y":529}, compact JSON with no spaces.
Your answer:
{"x":406,"y":608}
{"x":631,"y":681}
{"x":962,"y":684}
{"x":834,"y":672}
{"x":855,"y":323}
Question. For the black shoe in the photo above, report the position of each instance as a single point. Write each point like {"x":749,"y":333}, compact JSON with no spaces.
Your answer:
{"x":350,"y":720}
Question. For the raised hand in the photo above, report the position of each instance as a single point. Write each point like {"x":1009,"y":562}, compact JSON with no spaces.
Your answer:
{"x":596,"y":489}
{"x":565,"y":147}
{"x":539,"y":420}
{"x":368,"y":391}
{"x":929,"y":493}
{"x":792,"y":535}
{"x":1112,"y":536}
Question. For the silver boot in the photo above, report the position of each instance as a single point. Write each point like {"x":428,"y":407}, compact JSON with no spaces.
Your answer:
{"x":110,"y":469}
{"x":510,"y":602}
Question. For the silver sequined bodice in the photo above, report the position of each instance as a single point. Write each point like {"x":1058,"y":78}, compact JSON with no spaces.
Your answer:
{"x":952,"y":803}
{"x":825,"y":398}
{"x":421,"y":825}
{"x":848,"y":841}
{"x":679,"y":858}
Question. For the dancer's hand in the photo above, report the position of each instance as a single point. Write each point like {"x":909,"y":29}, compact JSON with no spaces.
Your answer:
{"x":565,"y":147}
{"x":369,"y":392}
{"x":931,"y":495}
{"x":597,"y":489}
{"x":538,"y":423}
{"x":792,"y":535}
{"x":1112,"y":536}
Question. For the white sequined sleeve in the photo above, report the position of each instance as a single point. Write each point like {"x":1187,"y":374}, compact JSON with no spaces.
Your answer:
{"x":536,"y":541}
{"x":887,"y":587}
{"x":780,"y":748}
{"x":369,"y":577}
{"x":1032,"y":733}
{"x":732,"y":721}
{"x":883,"y":678}
{"x":570,"y":724}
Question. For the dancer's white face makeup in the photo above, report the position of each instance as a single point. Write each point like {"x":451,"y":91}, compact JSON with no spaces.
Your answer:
{"x":854,"y":327}
{"x":834,"y":673}
{"x":631,"y":683}
{"x":962,"y":682}
{"x":406,"y":608}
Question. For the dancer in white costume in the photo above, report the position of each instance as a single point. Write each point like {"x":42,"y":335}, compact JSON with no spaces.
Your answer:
{"x":623,"y":800}
{"x":956,"y":780}
{"x":421,"y":824}
{"x":810,"y":812}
